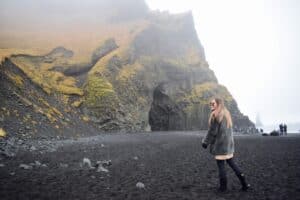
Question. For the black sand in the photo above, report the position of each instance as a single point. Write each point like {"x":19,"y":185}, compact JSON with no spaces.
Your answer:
{"x":172,"y":165}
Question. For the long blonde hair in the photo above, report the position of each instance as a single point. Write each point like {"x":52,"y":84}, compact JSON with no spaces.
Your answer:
{"x":220,"y":112}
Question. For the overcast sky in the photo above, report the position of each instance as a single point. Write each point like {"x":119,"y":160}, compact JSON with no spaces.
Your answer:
{"x":253,"y":47}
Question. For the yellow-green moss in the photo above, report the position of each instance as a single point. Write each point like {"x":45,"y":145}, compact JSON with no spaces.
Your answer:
{"x":77,"y":104}
{"x":201,"y":93}
{"x":85,"y":118}
{"x":2,"y":132}
{"x":98,"y":89}
{"x":50,"y":81}
{"x":128,"y":71}
{"x":69,"y":90}
{"x":17,"y":80}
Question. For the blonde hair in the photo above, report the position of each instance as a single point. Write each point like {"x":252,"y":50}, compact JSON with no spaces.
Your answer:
{"x":220,"y":112}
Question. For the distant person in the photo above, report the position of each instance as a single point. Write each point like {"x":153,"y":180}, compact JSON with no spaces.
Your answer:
{"x":284,"y":129}
{"x":281,"y":129}
{"x":220,"y":139}
{"x":261,"y":130}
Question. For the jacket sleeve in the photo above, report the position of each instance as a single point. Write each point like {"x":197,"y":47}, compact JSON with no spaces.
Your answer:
{"x":211,"y":134}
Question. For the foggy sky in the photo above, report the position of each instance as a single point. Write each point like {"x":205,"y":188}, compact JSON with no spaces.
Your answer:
{"x":253,"y":48}
{"x":252,"y":45}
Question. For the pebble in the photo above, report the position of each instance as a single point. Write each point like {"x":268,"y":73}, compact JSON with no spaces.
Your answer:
{"x":63,"y":165}
{"x":104,"y":162}
{"x":32,"y":148}
{"x":140,"y":185}
{"x":20,"y":142}
{"x":24,"y":166}
{"x":37,"y":163}
{"x":87,"y":162}
{"x":8,"y":153}
{"x":135,"y":158}
{"x":102,"y":169}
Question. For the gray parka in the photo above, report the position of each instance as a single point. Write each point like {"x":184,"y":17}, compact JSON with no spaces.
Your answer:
{"x":220,"y":138}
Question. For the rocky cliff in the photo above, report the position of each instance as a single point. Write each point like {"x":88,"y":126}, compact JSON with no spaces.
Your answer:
{"x":138,"y":72}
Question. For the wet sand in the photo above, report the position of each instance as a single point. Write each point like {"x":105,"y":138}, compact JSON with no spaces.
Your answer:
{"x":171,"y":165}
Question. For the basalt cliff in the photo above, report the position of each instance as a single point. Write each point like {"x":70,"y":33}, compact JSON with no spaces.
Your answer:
{"x":117,"y":66}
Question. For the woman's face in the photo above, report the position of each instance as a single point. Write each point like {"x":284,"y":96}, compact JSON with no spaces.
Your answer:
{"x":213,"y":105}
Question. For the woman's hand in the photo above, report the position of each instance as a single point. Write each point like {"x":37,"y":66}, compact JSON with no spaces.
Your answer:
{"x":204,"y":145}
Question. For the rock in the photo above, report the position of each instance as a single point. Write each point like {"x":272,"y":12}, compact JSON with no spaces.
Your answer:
{"x":37,"y":163}
{"x":8,"y":153}
{"x":24,"y":166}
{"x":135,"y":158}
{"x":20,"y":142}
{"x":12,"y":173}
{"x":63,"y":165}
{"x":108,"y":46}
{"x":11,"y":142}
{"x":274,"y":133}
{"x":140,"y":185}
{"x":2,"y":165}
{"x":102,"y":164}
{"x":87,"y":162}
{"x":51,"y":150}
{"x":58,"y":52}
{"x":32,"y":148}
{"x":102,"y":169}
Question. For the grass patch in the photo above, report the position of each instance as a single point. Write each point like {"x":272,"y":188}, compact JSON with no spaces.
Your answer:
{"x":129,"y":71}
{"x":16,"y":79}
{"x":2,"y":132}
{"x":99,"y":91}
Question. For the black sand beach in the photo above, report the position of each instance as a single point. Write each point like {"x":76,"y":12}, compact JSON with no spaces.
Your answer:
{"x":171,"y":165}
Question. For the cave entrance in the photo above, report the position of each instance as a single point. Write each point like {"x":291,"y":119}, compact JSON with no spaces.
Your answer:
{"x":164,"y":114}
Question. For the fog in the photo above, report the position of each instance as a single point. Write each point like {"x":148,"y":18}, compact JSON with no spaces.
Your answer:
{"x":252,"y":46}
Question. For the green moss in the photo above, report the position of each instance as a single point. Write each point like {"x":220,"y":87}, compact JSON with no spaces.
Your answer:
{"x":69,"y":90}
{"x":201,"y":93}
{"x":49,"y":81}
{"x":129,"y":71}
{"x":2,"y":132}
{"x":17,"y":80}
{"x":77,"y":104}
{"x":99,"y":92}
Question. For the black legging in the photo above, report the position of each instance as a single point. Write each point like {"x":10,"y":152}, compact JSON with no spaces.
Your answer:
{"x":221,"y":166}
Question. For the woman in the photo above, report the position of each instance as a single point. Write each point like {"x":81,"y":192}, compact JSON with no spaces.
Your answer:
{"x":220,"y":139}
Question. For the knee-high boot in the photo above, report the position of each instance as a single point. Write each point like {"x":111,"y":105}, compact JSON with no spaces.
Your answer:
{"x":245,"y":185}
{"x":223,"y":184}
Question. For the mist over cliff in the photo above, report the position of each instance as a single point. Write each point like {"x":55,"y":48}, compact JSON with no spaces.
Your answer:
{"x":110,"y":65}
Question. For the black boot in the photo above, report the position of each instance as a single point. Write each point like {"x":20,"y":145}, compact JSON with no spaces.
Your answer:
{"x":245,"y":185}
{"x":223,"y":185}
